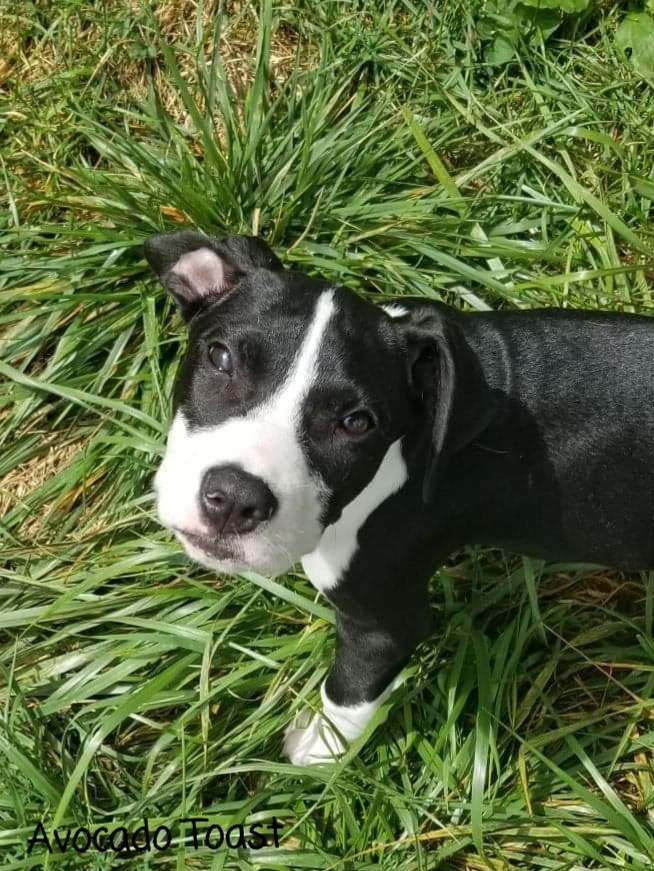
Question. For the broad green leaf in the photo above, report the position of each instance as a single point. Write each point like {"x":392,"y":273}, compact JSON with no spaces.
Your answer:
{"x":636,"y":33}
{"x":568,"y":6}
{"x":500,"y":51}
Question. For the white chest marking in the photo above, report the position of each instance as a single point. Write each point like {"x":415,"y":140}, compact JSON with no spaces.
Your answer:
{"x":326,"y":564}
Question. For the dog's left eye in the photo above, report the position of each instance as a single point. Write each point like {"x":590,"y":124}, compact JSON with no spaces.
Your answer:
{"x":221,"y":359}
{"x":357,"y":423}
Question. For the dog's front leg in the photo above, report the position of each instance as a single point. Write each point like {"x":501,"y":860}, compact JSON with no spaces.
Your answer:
{"x":370,"y":653}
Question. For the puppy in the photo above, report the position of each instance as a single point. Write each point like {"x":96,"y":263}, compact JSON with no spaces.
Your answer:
{"x":369,"y":441}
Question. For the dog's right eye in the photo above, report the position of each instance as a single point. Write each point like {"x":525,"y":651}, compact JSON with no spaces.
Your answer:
{"x":221,"y":359}
{"x":357,"y":423}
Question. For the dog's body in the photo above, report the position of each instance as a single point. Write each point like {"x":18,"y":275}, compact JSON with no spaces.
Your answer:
{"x":370,"y":442}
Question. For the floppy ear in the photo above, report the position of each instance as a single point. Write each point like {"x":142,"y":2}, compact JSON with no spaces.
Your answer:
{"x":193,"y":266}
{"x":449,"y":380}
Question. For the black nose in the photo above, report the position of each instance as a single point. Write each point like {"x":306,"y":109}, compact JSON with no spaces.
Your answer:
{"x":235,"y":501}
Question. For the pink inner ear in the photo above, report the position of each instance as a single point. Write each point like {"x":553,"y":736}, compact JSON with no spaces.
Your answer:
{"x":202,"y":271}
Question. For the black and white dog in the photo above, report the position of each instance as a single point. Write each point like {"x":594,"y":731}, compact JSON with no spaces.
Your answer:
{"x":371,"y":441}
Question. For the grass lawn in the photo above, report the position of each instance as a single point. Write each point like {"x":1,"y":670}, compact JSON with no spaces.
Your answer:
{"x":400,"y":147}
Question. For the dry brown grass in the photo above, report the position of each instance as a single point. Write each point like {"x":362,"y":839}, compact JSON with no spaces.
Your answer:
{"x":26,"y":59}
{"x":51,"y":459}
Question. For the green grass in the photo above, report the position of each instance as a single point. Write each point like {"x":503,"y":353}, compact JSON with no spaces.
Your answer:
{"x":371,"y":144}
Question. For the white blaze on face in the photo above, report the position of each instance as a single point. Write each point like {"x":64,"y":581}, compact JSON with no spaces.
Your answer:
{"x":265,"y":443}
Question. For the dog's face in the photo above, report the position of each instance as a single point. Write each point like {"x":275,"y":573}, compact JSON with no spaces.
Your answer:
{"x":290,"y":396}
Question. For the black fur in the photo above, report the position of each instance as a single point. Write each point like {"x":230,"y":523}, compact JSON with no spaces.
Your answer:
{"x":562,"y":470}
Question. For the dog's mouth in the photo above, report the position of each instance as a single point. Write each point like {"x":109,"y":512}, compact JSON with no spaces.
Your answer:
{"x":217,"y":548}
{"x":234,"y":553}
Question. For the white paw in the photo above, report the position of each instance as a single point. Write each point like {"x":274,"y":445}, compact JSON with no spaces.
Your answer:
{"x":310,"y":740}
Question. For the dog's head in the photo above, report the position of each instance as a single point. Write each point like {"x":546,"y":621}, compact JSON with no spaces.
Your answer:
{"x":291,"y":396}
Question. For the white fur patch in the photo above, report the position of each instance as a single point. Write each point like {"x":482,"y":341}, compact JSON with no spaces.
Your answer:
{"x":315,"y":738}
{"x":395,"y":310}
{"x":326,"y":564}
{"x":264,"y":443}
